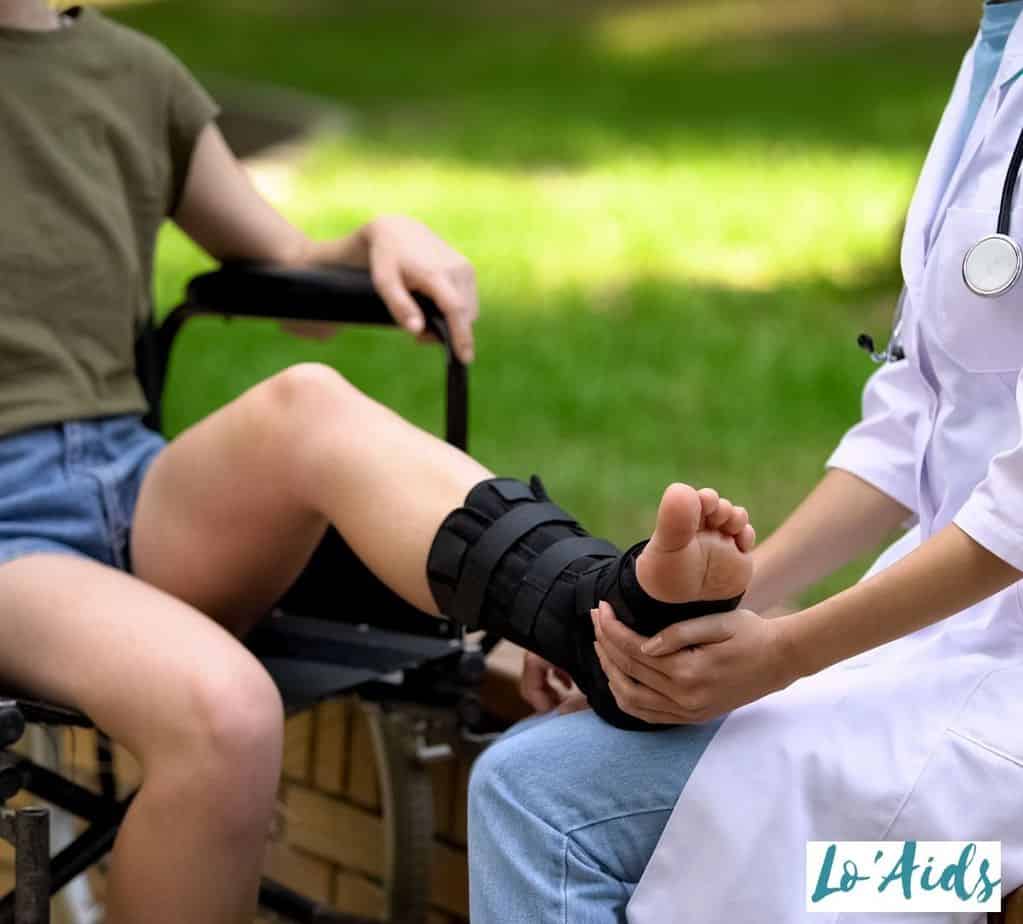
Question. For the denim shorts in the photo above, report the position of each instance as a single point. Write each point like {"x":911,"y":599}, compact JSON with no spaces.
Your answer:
{"x":71,"y":488}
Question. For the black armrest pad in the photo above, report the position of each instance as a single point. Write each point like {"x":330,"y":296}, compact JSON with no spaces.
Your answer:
{"x":256,"y":290}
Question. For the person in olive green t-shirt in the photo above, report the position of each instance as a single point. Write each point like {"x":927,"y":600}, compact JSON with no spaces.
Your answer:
{"x":129,"y":567}
{"x":103,"y":135}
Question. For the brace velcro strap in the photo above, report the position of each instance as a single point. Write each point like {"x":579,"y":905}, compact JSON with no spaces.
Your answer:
{"x":545,"y":570}
{"x":486,"y":554}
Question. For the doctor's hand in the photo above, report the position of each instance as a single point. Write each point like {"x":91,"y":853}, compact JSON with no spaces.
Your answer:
{"x":546,"y":687}
{"x":692,"y":671}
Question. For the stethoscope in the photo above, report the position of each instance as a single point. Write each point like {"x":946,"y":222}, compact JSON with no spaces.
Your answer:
{"x":991,"y":267}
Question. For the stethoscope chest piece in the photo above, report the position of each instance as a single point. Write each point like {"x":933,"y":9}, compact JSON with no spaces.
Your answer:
{"x":993,"y":265}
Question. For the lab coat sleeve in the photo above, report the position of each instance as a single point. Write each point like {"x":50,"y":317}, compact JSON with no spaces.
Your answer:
{"x":993,"y":514}
{"x":880,"y":449}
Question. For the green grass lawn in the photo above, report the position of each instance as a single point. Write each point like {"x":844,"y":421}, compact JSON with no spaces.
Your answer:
{"x":680,"y":223}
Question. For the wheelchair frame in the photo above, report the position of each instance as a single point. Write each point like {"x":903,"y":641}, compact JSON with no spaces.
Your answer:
{"x":421,"y":683}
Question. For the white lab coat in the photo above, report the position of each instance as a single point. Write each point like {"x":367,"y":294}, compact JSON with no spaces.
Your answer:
{"x":921,"y":738}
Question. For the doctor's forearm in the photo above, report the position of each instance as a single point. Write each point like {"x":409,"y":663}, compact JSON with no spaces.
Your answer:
{"x":842,"y":518}
{"x":945,"y":575}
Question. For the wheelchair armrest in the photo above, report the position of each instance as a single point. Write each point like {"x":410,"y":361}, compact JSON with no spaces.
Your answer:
{"x":310,"y":294}
{"x":334,"y":294}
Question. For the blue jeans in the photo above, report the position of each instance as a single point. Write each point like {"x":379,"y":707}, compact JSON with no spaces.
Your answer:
{"x":565,"y":813}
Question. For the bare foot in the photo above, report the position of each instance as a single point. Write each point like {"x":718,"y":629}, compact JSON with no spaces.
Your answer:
{"x":700,"y":549}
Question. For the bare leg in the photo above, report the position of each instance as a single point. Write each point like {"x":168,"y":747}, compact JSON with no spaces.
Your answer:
{"x":231,"y":510}
{"x":187,"y":700}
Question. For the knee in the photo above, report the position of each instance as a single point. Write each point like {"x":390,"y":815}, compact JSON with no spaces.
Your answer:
{"x":226,"y":752}
{"x":300,"y":412}
{"x":303,"y":391}
{"x":239,"y":713}
{"x":499,"y":780}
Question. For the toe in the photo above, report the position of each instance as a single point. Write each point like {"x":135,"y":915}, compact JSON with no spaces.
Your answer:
{"x":708,"y":501}
{"x":678,"y":518}
{"x":721,"y":515}
{"x":746,"y":539}
{"x":736,"y":521}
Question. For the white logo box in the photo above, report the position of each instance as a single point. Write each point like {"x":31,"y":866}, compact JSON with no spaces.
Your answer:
{"x":880,"y":876}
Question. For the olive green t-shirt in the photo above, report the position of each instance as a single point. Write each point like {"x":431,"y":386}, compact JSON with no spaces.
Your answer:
{"x":97,"y":128}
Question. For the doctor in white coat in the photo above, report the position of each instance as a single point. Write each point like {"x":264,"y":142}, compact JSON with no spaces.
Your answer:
{"x":892,"y":711}
{"x":922,"y":737}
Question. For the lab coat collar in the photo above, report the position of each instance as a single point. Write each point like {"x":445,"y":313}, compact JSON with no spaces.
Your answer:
{"x":1012,"y":59}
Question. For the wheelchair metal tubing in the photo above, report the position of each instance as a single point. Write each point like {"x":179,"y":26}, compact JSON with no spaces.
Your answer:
{"x":32,"y":867}
{"x":28,"y":831}
{"x":11,"y":778}
{"x":105,"y":762}
{"x":87,"y":849}
{"x":406,"y":790}
{"x":44,"y":783}
{"x":12,"y":723}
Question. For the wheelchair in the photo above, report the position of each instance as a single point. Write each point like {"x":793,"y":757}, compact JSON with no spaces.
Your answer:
{"x":417,"y":677}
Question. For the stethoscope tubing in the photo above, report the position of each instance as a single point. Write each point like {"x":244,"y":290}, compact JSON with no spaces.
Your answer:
{"x":1009,"y":188}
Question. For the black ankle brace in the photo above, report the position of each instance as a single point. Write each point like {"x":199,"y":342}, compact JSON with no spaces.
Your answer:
{"x":513,"y":563}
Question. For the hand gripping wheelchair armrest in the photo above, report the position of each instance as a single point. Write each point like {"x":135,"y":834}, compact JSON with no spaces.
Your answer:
{"x":335,"y":294}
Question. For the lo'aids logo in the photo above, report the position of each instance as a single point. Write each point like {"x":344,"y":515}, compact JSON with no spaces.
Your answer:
{"x":880,"y":876}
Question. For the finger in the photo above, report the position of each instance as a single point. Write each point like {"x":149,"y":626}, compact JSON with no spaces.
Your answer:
{"x":660,"y":683}
{"x":470,"y":294}
{"x":607,"y":621}
{"x":627,"y":644}
{"x":747,"y":539}
{"x":704,"y":630}
{"x":720,"y":516}
{"x":564,"y":678}
{"x":616,"y":676}
{"x":632,"y":667}
{"x":452,"y":305}
{"x":540,"y":697}
{"x":637,"y":700}
{"x":534,"y":685}
{"x":389,"y":286}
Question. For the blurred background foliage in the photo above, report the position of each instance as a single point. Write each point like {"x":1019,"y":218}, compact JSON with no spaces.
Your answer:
{"x":681,"y":214}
